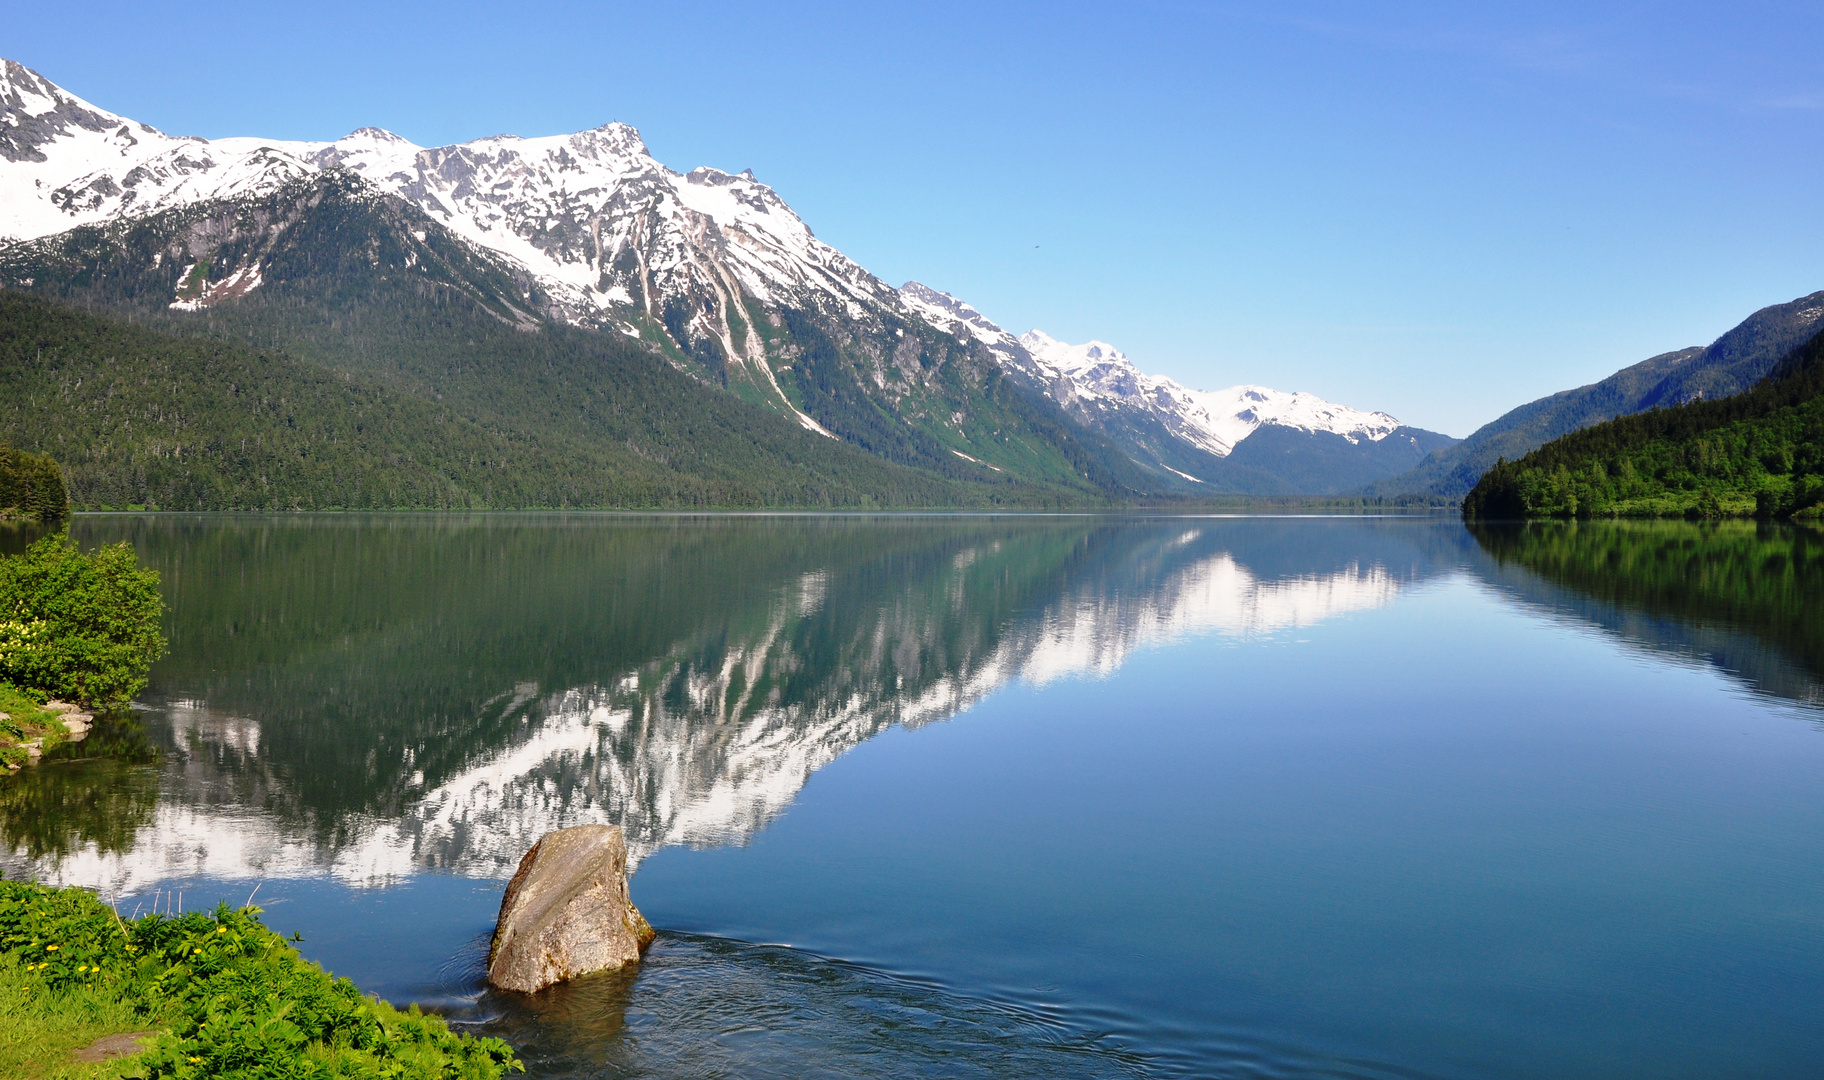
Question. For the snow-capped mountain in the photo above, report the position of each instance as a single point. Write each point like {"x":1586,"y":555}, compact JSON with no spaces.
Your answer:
{"x":605,"y":230}
{"x":712,"y":268}
{"x":592,"y":215}
{"x":1213,"y":419}
{"x":1099,"y":385}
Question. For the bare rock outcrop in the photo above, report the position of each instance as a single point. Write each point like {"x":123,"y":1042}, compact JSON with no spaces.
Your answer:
{"x":567,"y":912}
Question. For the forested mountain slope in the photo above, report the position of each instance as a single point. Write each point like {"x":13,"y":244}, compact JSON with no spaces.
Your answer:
{"x":1759,"y":452}
{"x":335,"y":273}
{"x":1730,"y":365}
{"x":141,"y":418}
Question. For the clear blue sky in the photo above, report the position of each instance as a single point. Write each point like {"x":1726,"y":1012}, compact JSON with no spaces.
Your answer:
{"x":1437,"y":210}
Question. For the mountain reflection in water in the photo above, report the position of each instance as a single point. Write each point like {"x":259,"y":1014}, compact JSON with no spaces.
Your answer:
{"x":1337,"y":797}
{"x":371,"y":697}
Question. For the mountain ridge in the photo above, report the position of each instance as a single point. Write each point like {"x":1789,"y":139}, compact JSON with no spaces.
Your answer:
{"x":141,"y":419}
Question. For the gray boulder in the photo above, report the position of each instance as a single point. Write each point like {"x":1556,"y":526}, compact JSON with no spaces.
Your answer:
{"x":567,"y":912}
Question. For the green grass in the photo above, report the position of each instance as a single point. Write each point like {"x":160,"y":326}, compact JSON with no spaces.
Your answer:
{"x":228,"y":998}
{"x":26,"y":719}
{"x":44,"y":1028}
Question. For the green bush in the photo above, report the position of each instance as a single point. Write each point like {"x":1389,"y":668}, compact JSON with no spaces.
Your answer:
{"x":83,"y":627}
{"x":235,"y":1000}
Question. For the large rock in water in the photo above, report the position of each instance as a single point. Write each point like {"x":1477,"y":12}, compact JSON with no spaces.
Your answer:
{"x":566,"y":912}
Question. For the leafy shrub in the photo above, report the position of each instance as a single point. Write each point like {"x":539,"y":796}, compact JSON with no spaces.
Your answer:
{"x":237,"y":1000}
{"x":79,"y":626}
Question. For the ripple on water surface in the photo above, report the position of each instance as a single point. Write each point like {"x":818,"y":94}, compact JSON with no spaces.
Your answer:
{"x":708,"y":1007}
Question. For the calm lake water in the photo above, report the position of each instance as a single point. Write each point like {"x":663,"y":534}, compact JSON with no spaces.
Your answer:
{"x":1005,"y":796}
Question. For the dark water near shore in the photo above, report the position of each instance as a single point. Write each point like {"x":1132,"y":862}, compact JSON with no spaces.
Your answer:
{"x":968,"y":796}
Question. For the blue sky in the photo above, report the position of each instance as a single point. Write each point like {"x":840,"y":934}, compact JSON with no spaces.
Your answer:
{"x":1438,"y":210}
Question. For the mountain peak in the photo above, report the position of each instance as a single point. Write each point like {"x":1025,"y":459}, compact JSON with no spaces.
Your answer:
{"x":1074,"y":358}
{"x":25,"y":92}
{"x":917,"y":290}
{"x":374,"y":135}
{"x":373,"y":152}
{"x":615,"y":138}
{"x":35,"y":112}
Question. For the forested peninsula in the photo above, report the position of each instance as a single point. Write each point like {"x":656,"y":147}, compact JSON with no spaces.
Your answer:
{"x":1756,"y":454}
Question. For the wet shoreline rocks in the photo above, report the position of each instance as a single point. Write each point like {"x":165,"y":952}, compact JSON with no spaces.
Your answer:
{"x":567,"y":912}
{"x":74,"y":722}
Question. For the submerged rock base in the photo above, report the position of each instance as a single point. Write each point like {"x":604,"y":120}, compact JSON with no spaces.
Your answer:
{"x":566,"y":912}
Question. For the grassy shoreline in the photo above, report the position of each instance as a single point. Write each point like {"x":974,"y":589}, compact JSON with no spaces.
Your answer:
{"x":25,"y":720}
{"x":222,"y":995}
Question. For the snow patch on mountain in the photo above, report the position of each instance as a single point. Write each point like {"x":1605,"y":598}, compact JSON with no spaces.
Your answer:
{"x":1218,"y":418}
{"x":68,"y":163}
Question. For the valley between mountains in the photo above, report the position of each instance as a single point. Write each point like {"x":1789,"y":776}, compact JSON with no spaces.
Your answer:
{"x":565,"y":322}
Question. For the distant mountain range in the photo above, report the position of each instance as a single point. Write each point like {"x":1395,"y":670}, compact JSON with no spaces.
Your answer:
{"x":1250,"y":439}
{"x":400,"y":265}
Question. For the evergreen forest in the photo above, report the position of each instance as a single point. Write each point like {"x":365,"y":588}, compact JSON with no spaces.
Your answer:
{"x":31,"y":486}
{"x":143,"y":419}
{"x":1759,"y":453}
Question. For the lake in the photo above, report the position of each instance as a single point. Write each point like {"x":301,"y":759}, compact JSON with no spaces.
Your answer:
{"x":1046,"y":796}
